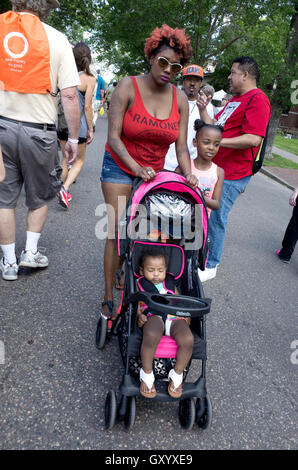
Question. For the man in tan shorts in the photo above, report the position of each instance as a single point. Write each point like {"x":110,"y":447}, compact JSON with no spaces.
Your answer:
{"x":32,"y":69}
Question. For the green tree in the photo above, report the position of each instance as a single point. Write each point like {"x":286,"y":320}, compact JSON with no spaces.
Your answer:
{"x":214,"y":25}
{"x":75,"y":18}
{"x":273,"y":42}
{"x":220,"y":31}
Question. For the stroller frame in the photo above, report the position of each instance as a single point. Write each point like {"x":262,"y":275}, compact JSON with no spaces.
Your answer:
{"x":194,"y":404}
{"x":189,"y":410}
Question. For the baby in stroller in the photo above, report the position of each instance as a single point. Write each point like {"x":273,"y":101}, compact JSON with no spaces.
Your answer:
{"x":154,"y":278}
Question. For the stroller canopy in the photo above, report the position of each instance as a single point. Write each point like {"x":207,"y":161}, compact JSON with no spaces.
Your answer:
{"x":165,"y":208}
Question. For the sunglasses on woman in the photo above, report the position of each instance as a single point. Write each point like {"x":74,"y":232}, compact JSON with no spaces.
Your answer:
{"x":164,"y":63}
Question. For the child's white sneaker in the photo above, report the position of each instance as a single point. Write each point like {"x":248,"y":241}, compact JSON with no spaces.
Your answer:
{"x":209,"y":273}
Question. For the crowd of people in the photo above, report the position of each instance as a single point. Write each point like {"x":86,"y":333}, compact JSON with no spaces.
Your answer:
{"x":152,"y":125}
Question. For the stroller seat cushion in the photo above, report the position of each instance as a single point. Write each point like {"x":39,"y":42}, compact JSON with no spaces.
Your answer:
{"x":167,"y":347}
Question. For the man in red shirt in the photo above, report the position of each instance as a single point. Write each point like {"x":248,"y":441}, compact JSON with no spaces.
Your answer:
{"x":245,"y":119}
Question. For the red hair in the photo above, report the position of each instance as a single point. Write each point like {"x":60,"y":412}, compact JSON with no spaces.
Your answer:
{"x":167,"y":36}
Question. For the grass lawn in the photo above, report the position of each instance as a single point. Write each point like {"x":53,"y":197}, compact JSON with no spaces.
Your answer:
{"x":280,"y":162}
{"x":289,"y":145}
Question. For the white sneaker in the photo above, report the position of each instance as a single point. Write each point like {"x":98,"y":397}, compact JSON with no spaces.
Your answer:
{"x":33,"y":260}
{"x":209,"y":273}
{"x":9,"y":271}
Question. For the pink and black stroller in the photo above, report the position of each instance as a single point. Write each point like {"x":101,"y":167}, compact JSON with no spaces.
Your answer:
{"x":168,"y":215}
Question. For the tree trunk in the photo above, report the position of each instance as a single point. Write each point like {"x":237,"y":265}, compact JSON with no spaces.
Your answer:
{"x":274,"y":122}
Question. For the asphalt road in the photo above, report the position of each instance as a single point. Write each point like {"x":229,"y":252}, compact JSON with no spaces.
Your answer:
{"x":53,"y":380}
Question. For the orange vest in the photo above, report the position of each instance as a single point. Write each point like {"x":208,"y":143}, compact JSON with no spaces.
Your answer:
{"x":24,"y":54}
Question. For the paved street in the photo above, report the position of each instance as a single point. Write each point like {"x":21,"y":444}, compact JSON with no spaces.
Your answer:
{"x":54,"y":381}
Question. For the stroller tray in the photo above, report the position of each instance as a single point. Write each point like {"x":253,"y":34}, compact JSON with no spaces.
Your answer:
{"x":180,"y":305}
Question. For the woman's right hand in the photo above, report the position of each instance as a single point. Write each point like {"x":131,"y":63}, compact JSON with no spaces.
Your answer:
{"x":146,"y":173}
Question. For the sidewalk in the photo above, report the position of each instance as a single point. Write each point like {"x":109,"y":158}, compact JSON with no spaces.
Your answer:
{"x":285,"y":176}
{"x":283,"y":153}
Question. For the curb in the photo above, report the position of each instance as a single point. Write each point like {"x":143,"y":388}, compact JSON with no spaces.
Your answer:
{"x":276,"y":178}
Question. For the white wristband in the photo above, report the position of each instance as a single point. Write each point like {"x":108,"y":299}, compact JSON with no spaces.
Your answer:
{"x":73,"y":141}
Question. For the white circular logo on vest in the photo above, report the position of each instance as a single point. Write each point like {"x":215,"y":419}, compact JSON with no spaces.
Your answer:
{"x":12,"y":54}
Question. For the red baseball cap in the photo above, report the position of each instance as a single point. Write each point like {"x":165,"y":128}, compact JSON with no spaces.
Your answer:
{"x":193,"y":70}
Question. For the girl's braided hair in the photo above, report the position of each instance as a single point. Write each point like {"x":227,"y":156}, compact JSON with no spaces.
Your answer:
{"x":199,"y":125}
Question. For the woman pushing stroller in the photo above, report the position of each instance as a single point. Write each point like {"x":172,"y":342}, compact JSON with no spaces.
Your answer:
{"x":154,"y":278}
{"x":147,"y":113}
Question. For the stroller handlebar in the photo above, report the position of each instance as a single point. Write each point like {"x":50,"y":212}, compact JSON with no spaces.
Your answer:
{"x":180,"y":305}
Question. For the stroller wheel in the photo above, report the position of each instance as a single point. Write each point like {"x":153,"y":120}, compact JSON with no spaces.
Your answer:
{"x":130,"y":415}
{"x":101,"y":333}
{"x":204,"y":412}
{"x":187,"y":413}
{"x":110,"y":410}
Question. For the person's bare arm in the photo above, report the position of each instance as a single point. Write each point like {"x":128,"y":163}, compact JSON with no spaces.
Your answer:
{"x":202,"y":103}
{"x":90,"y":85}
{"x":2,"y":168}
{"x":121,"y":100}
{"x":244,"y":141}
{"x":141,"y":318}
{"x":214,"y":203}
{"x":70,"y":103}
{"x":182,"y":152}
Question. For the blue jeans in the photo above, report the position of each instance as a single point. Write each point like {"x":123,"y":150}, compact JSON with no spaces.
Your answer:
{"x":112,"y":173}
{"x":218,"y":219}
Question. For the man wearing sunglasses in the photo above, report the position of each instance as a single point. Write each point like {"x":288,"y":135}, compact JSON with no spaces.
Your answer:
{"x":192,"y":81}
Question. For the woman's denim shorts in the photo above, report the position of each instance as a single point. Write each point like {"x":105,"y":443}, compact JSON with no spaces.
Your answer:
{"x":112,"y":173}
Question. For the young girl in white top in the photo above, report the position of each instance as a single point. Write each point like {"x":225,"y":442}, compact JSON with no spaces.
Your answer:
{"x":209,"y":175}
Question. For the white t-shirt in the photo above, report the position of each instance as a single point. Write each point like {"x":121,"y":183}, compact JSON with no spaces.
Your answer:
{"x":171,"y":162}
{"x":42,"y":108}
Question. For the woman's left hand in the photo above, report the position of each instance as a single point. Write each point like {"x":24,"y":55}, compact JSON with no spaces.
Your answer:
{"x":192,"y":180}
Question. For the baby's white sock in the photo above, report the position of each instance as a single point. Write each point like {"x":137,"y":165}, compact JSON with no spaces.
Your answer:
{"x":176,"y":378}
{"x":9,"y":253}
{"x":32,"y":241}
{"x":147,"y":378}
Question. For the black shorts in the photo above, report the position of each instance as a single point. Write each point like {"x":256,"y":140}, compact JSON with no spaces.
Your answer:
{"x":63,"y":135}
